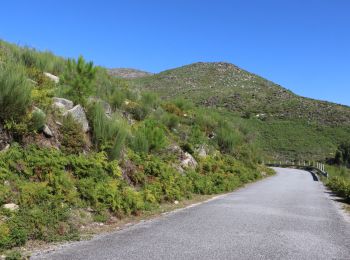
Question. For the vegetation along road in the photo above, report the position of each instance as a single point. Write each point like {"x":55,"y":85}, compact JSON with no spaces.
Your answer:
{"x":287,"y":216}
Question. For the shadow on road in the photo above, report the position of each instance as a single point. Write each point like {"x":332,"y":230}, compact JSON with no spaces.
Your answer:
{"x":314,"y":176}
{"x":335,"y":197}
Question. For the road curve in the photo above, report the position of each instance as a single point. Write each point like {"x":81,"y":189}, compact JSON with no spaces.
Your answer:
{"x":287,"y":216}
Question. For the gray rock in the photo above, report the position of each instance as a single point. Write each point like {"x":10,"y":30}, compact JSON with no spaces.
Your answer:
{"x":78,"y":114}
{"x":47,"y":131}
{"x":202,"y":151}
{"x":107,"y":108}
{"x":62,"y":104}
{"x":187,"y":161}
{"x":52,"y":77}
{"x":11,"y":206}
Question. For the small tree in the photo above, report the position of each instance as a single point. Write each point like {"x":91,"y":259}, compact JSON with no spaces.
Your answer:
{"x":342,"y":155}
{"x":79,"y":76}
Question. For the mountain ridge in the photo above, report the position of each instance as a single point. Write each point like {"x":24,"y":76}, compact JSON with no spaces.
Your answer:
{"x":225,"y":85}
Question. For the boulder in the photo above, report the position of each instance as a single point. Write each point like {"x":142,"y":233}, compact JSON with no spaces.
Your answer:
{"x":202,"y":151}
{"x":62,"y":104}
{"x":106,"y":107}
{"x":47,"y":132}
{"x":78,"y":114}
{"x":187,"y":161}
{"x":11,"y":206}
{"x":52,"y":77}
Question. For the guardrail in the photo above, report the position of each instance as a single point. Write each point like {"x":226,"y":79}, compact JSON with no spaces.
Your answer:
{"x":317,"y":167}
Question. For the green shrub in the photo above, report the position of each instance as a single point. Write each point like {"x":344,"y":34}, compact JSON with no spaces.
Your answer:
{"x":38,"y":120}
{"x":228,"y":139}
{"x":139,"y":112}
{"x":140,"y":141}
{"x":150,"y":100}
{"x":15,"y":91}
{"x":149,"y":137}
{"x":172,"y":109}
{"x":170,"y":120}
{"x":109,"y":134}
{"x":340,"y":186}
{"x":117,"y":99}
{"x":72,"y":136}
{"x":183,"y":104}
{"x":196,"y":136}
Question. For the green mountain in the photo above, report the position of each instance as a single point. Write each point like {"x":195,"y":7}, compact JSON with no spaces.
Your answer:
{"x":224,"y":85}
{"x":286,"y":125}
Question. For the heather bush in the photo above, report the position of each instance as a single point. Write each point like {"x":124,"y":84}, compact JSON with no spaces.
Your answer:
{"x":15,"y":89}
{"x":71,"y":136}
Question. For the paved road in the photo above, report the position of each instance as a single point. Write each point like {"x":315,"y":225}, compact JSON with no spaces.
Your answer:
{"x":288,"y":216}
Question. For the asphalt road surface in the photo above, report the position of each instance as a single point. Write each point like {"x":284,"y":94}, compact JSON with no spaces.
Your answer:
{"x":287,"y":216}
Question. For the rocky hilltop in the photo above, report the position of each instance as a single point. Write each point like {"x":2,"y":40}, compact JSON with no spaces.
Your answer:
{"x":224,"y":85}
{"x":127,"y":73}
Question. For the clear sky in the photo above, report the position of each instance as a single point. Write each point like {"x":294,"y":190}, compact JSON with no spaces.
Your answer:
{"x":303,"y":45}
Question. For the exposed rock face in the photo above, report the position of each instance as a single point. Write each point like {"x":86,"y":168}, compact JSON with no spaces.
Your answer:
{"x":47,"y":131}
{"x":187,"y":161}
{"x":62,"y":104}
{"x":78,"y":114}
{"x":52,"y":77}
{"x":11,"y":206}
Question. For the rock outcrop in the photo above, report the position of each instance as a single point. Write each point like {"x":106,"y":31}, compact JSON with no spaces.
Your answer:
{"x":78,"y":114}
{"x":62,"y":104}
{"x":11,"y":206}
{"x":52,"y":77}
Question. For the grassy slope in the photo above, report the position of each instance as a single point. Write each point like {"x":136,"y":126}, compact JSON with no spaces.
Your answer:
{"x":292,"y":126}
{"x":129,"y":166}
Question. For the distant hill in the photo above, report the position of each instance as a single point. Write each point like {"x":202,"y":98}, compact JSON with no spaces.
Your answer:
{"x":128,"y":73}
{"x":224,"y":85}
{"x":285,"y":125}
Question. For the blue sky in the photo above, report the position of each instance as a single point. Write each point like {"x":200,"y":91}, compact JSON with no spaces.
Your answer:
{"x":301,"y":45}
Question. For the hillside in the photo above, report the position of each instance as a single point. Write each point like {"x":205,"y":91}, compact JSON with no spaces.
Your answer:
{"x":80,"y":149}
{"x":127,"y":73}
{"x":224,"y":85}
{"x":285,"y":125}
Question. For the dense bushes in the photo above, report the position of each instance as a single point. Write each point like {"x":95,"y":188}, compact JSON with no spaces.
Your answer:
{"x":49,"y":186}
{"x":71,"y":136}
{"x":340,"y":186}
{"x":148,"y":137}
{"x":46,"y":184}
{"x":339,"y":181}
{"x":109,"y":134}
{"x":15,"y":90}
